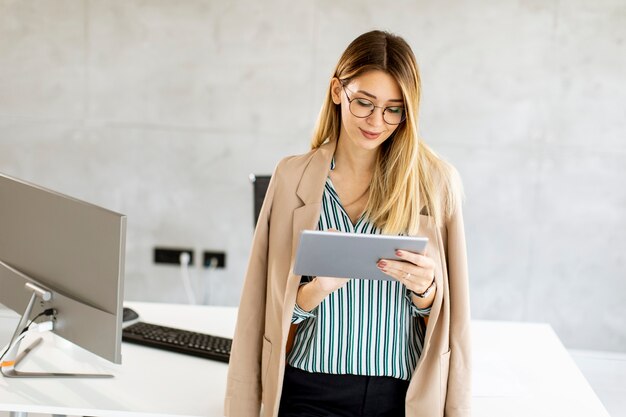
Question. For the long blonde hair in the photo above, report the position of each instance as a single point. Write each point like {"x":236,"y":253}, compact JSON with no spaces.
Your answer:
{"x":409,"y":178}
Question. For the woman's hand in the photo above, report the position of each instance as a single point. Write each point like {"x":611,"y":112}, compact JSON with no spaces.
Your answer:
{"x":329,"y":284}
{"x":311,"y":295}
{"x":415,"y":271}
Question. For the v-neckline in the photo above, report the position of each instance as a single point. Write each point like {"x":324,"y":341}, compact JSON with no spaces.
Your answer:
{"x":354,"y":225}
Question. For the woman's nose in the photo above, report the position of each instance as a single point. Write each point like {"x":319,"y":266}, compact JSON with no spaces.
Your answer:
{"x":376,"y":118}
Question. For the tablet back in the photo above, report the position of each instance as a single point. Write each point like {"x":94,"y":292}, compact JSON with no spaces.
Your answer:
{"x":350,"y":255}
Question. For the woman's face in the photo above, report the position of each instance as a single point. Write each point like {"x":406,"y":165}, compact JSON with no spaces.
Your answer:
{"x":383,"y":91}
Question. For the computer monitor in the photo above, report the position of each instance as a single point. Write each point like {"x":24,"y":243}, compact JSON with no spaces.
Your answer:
{"x":260,"y":184}
{"x":72,"y":251}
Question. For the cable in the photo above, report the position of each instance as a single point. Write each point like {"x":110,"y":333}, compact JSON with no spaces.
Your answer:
{"x":10,"y":345}
{"x":185,"y":258}
{"x":212,"y":266}
{"x":48,"y":312}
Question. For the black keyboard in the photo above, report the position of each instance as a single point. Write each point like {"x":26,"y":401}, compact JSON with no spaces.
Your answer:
{"x":178,"y":340}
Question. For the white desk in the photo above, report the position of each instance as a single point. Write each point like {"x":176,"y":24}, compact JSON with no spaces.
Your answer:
{"x":520,"y":369}
{"x":150,"y":382}
{"x":523,"y":369}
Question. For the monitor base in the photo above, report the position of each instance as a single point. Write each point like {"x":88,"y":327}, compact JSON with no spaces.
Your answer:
{"x":10,"y":359}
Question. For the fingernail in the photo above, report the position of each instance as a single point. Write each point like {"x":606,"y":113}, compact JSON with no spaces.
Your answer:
{"x":382,"y":264}
{"x":399,"y":253}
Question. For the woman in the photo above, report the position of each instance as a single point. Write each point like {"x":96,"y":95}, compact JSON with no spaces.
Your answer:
{"x":361,"y":347}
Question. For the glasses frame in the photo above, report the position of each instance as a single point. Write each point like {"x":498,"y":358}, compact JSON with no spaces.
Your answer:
{"x":374,"y":107}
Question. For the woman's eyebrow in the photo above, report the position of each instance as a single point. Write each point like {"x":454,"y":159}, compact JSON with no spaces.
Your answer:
{"x":374,"y":97}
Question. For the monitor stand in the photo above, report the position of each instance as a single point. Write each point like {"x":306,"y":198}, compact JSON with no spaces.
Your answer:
{"x":11,"y":357}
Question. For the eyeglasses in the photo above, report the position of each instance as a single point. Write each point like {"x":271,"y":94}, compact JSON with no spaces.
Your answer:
{"x":362,"y":108}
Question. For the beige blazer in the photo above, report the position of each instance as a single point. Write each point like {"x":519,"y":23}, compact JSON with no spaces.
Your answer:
{"x":440,"y":385}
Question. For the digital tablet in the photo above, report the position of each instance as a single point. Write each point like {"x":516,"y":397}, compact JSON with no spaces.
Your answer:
{"x":350,"y":255}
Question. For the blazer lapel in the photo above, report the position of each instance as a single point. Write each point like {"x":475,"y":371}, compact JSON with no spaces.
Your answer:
{"x":311,"y":185}
{"x":310,"y":190}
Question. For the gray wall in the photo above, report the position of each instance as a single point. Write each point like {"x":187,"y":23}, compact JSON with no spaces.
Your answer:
{"x":161,"y":109}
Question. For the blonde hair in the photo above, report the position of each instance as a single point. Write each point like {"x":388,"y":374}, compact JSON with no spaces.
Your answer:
{"x":409,"y":178}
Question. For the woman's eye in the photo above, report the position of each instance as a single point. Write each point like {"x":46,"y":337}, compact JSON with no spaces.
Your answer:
{"x":395,"y":110}
{"x":364,"y":103}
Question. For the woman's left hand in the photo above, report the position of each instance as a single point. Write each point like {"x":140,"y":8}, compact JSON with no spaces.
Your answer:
{"x":415,"y":271}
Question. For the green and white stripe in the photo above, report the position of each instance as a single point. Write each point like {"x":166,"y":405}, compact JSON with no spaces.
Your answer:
{"x":367,"y":327}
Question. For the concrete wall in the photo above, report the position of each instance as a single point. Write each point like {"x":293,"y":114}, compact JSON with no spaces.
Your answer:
{"x":160,"y":110}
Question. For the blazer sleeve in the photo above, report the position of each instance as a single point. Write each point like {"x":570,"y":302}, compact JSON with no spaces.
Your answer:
{"x":243,"y":387}
{"x":459,"y":394}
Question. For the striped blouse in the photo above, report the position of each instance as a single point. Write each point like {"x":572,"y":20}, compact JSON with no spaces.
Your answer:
{"x":367,"y":327}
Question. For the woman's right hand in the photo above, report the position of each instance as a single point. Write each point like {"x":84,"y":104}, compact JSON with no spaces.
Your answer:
{"x":312,"y":294}
{"x":329,"y":284}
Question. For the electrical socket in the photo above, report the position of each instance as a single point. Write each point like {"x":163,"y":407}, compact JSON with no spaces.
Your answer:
{"x":220,"y":256}
{"x":171,"y":255}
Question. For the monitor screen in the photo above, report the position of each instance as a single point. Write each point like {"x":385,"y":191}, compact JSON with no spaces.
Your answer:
{"x":72,"y":248}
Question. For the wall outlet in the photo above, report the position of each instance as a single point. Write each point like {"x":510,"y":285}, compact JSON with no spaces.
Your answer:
{"x":209,"y":256}
{"x":171,"y":255}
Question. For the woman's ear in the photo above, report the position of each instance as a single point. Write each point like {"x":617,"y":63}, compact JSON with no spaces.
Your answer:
{"x":335,"y":90}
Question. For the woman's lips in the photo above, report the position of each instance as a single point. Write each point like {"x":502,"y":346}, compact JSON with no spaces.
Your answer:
{"x":369,"y":135}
